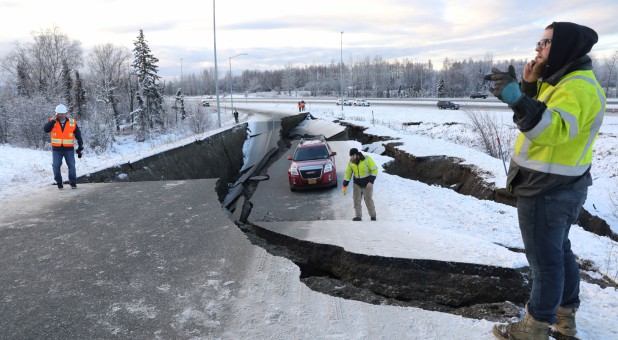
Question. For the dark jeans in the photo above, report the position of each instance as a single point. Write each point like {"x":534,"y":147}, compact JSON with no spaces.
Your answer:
{"x":545,"y":221}
{"x":69,"y":158}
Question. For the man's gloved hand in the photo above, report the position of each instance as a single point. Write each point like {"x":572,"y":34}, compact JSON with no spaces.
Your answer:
{"x":344,"y":190}
{"x":505,"y":87}
{"x":79,"y":151}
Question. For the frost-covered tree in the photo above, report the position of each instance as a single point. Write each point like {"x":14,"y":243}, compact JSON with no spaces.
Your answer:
{"x":288,"y":82}
{"x":80,"y":96}
{"x":179,"y":104}
{"x":140,"y":119}
{"x":22,"y":81}
{"x":98,"y":131}
{"x":440,"y":88}
{"x":108,"y":66}
{"x":27,"y":131}
{"x":67,"y":85}
{"x":38,"y":65}
{"x":609,"y":75}
{"x":150,"y":112}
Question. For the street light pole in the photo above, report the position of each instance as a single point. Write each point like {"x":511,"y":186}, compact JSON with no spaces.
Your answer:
{"x":214,"y":25}
{"x":341,"y":71}
{"x":231,"y":93}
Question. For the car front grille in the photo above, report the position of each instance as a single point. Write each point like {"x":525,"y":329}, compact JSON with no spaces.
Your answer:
{"x":311,"y":172}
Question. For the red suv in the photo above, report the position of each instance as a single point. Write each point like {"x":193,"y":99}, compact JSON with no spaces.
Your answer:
{"x":313,"y":165}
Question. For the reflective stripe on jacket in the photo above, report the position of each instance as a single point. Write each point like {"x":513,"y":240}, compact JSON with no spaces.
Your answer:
{"x":363,"y":169}
{"x":66,"y":137}
{"x":561,"y":143}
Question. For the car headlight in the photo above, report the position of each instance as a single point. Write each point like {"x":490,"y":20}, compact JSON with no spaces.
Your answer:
{"x":328,"y":167}
{"x":294,"y":170}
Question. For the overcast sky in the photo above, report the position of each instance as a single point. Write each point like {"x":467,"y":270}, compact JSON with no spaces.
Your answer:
{"x":275,"y":33}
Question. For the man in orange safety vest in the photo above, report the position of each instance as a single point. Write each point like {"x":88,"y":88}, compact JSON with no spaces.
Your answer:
{"x":63,"y":132}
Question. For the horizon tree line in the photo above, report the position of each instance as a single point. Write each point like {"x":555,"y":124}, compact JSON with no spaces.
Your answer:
{"x":111,"y":89}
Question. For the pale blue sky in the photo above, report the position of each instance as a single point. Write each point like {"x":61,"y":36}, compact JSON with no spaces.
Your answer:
{"x":275,"y":33}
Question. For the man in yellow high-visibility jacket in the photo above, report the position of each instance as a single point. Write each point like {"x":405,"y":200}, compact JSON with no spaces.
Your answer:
{"x":364,"y":170}
{"x":559,"y":109}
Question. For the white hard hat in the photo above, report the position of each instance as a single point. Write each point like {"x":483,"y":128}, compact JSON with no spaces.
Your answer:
{"x":61,"y":109}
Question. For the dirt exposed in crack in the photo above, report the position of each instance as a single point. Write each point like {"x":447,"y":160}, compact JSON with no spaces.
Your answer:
{"x":474,"y":291}
{"x":449,"y":172}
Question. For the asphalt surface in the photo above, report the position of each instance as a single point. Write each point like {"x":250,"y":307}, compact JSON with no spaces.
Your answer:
{"x":273,"y":201}
{"x":138,"y":260}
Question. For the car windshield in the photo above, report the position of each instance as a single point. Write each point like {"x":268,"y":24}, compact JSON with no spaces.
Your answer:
{"x":311,"y":153}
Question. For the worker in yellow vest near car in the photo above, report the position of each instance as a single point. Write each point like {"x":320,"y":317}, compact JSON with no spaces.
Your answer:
{"x":63,"y":132}
{"x":365,"y":171}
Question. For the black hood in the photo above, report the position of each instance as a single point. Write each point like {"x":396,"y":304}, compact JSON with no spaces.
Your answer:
{"x":569,"y":43}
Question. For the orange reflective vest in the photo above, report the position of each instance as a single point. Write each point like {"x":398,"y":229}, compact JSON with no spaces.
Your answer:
{"x":66,"y":137}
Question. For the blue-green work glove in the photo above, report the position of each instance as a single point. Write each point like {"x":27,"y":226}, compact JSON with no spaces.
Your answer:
{"x":505,"y":87}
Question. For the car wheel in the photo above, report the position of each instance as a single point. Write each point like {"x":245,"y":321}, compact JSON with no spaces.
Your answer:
{"x":292,"y":189}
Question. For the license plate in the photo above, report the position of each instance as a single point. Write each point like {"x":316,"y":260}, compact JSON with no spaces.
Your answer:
{"x":312,"y":181}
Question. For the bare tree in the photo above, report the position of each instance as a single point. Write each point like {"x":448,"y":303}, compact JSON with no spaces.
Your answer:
{"x":609,"y":75}
{"x":288,"y":82}
{"x":38,"y":65}
{"x":109,"y":66}
{"x":494,"y":136}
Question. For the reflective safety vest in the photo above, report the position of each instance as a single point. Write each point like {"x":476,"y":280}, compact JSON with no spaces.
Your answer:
{"x":561,"y":143}
{"x":66,"y":137}
{"x":364,"y":168}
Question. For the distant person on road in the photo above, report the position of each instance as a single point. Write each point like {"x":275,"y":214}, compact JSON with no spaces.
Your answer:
{"x":364,"y":170}
{"x":559,"y":109}
{"x":63,"y":132}
{"x":302,"y":105}
{"x":236,"y":116}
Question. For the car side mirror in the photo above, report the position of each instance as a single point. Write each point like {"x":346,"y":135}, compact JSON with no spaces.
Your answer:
{"x":334,"y":153}
{"x":289,"y":158}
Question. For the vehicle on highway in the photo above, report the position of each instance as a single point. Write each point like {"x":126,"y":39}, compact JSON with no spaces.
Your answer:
{"x":360,"y":102}
{"x":313,"y":165}
{"x":346,"y":102}
{"x":478,"y":95}
{"x":205,"y":102}
{"x":443,"y":104}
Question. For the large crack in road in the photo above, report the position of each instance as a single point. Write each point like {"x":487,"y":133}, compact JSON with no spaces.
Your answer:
{"x":470,"y":290}
{"x":474,"y":291}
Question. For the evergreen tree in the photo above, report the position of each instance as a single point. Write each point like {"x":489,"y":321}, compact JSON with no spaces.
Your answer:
{"x":145,"y":67}
{"x":67,"y":85}
{"x":80,"y":96}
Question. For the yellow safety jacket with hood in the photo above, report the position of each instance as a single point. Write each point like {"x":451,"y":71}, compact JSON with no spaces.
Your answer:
{"x":559,"y":118}
{"x":364,"y":172}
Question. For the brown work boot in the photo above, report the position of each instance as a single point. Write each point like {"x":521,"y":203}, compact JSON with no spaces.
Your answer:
{"x":527,"y":328}
{"x":566,"y":321}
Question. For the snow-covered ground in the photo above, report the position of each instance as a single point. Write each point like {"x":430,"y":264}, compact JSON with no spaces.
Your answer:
{"x":443,"y":209}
